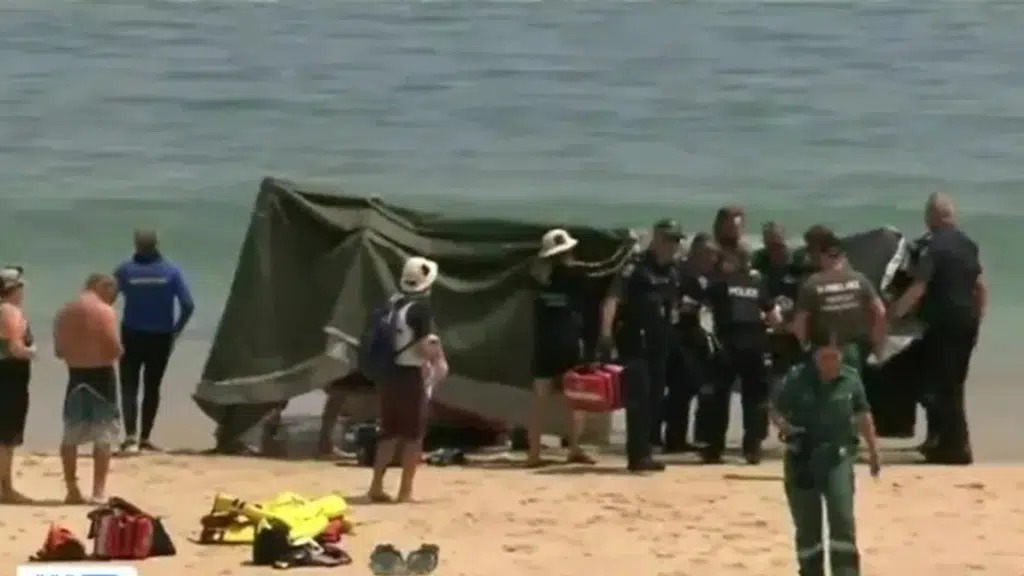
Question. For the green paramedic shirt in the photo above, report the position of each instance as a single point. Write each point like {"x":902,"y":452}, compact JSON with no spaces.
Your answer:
{"x":827,"y":411}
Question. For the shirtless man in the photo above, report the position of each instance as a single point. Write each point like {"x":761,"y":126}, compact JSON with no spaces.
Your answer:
{"x":86,"y":339}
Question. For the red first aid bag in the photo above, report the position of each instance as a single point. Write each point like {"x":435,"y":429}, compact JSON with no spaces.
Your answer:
{"x":594,"y":389}
{"x":120,"y":536}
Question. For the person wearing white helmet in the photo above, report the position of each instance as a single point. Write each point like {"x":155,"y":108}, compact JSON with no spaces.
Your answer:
{"x":404,"y":398}
{"x":558,"y":336}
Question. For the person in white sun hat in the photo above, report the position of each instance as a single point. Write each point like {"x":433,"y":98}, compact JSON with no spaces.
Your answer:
{"x":558,"y":336}
{"x":404,"y":397}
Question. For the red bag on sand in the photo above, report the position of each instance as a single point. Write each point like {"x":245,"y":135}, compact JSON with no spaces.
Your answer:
{"x":60,"y":546}
{"x":123,"y":537}
{"x":594,"y":389}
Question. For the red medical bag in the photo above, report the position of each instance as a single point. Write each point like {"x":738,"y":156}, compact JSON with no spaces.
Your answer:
{"x":593,"y":388}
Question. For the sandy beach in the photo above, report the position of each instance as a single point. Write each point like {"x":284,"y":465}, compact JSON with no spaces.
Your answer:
{"x":494,"y":519}
{"x":727,"y":521}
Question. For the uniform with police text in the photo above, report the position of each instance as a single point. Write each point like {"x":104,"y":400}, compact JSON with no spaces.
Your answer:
{"x":739,"y":302}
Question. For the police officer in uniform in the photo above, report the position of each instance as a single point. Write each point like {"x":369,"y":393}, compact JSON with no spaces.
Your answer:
{"x":783,"y":272}
{"x":952,"y":294}
{"x":819,"y":411}
{"x":780,"y":270}
{"x":689,"y":366}
{"x":638,"y":315}
{"x":742,"y":311}
{"x":839,"y":301}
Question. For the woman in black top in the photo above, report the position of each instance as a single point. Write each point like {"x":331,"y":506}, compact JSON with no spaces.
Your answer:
{"x":16,"y":353}
{"x":558,"y":336}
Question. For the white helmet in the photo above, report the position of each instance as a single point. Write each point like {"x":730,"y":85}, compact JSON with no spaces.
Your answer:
{"x":556,"y":241}
{"x":418,"y":274}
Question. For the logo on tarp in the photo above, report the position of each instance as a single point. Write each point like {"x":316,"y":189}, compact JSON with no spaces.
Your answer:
{"x":76,"y":569}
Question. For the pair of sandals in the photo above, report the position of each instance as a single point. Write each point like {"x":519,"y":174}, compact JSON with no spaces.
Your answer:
{"x":386,"y":560}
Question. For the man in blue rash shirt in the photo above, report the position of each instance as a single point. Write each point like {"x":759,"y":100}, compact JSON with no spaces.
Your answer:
{"x":150,"y":286}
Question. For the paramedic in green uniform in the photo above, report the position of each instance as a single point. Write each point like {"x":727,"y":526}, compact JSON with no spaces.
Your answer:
{"x":838,"y":301}
{"x":819,"y":410}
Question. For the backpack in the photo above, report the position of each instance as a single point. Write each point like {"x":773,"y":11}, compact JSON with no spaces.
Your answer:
{"x":121,"y":531}
{"x":377,"y":350}
{"x":122,"y":536}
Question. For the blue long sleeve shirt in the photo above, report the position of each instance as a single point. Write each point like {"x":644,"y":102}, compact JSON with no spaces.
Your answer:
{"x":150,"y":286}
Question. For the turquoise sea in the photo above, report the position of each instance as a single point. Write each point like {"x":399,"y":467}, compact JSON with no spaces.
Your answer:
{"x":167,"y":114}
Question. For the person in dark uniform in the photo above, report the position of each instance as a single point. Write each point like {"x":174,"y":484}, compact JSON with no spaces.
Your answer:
{"x":777,"y":264}
{"x":16,"y":353}
{"x":782,"y":272}
{"x":558,"y":337}
{"x":689,"y":367}
{"x":638,"y":316}
{"x":950,"y":288}
{"x":728,"y":227}
{"x":839,"y":301}
{"x":742,"y":311}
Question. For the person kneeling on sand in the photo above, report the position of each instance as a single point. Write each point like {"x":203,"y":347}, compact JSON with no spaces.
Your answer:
{"x":404,"y":398}
{"x":86,"y":339}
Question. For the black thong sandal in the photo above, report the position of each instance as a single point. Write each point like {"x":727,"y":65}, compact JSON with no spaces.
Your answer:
{"x":386,"y":560}
{"x":423,"y":560}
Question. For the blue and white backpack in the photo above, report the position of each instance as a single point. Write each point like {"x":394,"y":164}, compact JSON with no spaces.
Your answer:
{"x":378,"y":347}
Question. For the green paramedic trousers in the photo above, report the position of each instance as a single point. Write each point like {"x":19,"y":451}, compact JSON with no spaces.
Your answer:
{"x":834,"y":485}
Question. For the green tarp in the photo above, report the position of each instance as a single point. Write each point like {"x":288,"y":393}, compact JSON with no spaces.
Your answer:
{"x":314,"y":263}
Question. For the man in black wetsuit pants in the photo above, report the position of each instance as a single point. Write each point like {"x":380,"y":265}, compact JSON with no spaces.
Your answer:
{"x":742,"y":309}
{"x":637,"y":315}
{"x":952,"y":293}
{"x":689,"y":367}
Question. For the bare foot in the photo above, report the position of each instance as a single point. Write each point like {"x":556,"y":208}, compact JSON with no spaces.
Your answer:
{"x":378,"y":497}
{"x":578,"y":456}
{"x":14,"y":497}
{"x":98,"y":500}
{"x":74,"y":497}
{"x":405,"y":498}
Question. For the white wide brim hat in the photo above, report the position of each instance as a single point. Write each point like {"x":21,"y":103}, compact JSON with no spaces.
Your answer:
{"x":11,"y":277}
{"x":418,"y":274}
{"x":556,"y":241}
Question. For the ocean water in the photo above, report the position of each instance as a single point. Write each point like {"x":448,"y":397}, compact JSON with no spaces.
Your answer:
{"x":167,"y":114}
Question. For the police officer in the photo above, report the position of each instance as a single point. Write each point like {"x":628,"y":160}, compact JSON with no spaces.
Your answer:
{"x":783,"y":272}
{"x":777,"y":264}
{"x":742,"y":311}
{"x":838,"y":300}
{"x":819,"y":410}
{"x":638,"y":315}
{"x":690,"y":358}
{"x":951,"y":290}
{"x":727,"y":229}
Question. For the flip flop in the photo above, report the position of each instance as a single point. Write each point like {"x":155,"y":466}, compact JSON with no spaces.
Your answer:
{"x":386,"y":560}
{"x":423,"y":560}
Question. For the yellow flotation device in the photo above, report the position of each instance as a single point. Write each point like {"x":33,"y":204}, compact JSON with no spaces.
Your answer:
{"x":233,"y":520}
